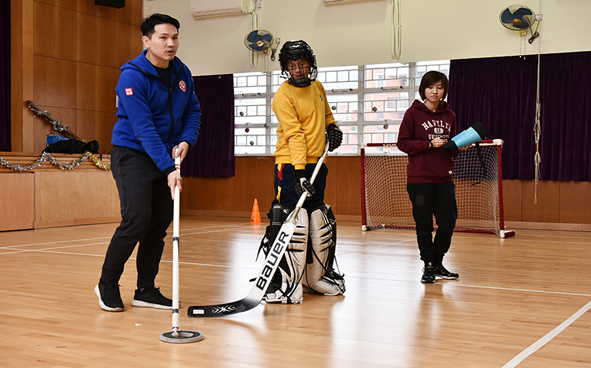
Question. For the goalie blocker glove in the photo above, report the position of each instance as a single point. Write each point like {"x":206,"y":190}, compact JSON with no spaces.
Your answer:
{"x":302,"y":184}
{"x":335,"y":137}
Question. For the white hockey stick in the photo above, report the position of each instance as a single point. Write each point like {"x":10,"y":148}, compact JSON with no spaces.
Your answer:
{"x":175,"y":254}
{"x":262,"y":281}
{"x":176,"y":336}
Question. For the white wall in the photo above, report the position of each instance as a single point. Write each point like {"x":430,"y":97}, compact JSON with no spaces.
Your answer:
{"x":360,"y":33}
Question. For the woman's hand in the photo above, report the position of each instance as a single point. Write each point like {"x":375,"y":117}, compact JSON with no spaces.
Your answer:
{"x":438,"y":142}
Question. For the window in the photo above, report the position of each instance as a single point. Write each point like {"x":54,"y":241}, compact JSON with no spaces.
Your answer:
{"x":368,"y":102}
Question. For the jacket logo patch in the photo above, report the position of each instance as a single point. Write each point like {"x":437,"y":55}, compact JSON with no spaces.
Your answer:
{"x":129,"y":91}
{"x":183,"y":86}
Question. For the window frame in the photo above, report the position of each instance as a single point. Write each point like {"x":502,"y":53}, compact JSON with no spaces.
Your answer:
{"x":348,"y":88}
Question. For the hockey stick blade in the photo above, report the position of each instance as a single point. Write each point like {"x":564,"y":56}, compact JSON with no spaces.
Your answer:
{"x":262,"y":281}
{"x":222,"y":310}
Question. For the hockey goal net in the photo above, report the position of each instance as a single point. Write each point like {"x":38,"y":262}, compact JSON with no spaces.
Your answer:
{"x":479,"y":189}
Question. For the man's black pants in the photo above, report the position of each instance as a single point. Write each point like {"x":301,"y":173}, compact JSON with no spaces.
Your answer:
{"x":146,"y":211}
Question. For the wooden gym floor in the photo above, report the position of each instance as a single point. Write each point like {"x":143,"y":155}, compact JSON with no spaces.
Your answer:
{"x":522,"y":301}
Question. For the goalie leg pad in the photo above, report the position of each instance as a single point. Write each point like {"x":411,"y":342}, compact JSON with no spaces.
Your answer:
{"x":319,"y":276}
{"x":286,"y":284}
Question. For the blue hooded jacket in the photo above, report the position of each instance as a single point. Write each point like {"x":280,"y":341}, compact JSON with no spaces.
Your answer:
{"x":153,"y":117}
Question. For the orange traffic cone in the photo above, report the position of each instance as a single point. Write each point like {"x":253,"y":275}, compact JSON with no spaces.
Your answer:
{"x":255,"y":218}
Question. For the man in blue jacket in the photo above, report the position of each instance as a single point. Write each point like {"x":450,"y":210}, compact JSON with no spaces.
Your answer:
{"x":158,"y":118}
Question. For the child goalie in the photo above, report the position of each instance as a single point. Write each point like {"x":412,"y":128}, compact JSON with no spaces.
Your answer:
{"x":305,"y":120}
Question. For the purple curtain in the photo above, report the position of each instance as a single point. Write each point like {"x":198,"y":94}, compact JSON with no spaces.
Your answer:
{"x":501,"y":93}
{"x":213,"y":155}
{"x":5,"y":76}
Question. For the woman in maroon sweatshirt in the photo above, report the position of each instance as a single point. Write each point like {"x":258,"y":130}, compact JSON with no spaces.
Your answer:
{"x":426,"y":127}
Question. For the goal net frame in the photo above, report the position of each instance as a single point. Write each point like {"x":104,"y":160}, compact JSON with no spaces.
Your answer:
{"x":479,"y":190}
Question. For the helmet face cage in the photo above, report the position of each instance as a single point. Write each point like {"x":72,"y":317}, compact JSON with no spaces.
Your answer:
{"x":296,"y":50}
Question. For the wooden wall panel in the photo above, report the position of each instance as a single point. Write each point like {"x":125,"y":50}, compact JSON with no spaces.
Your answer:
{"x":53,"y":31}
{"x":547,"y":208}
{"x":98,"y":126}
{"x":129,"y":13}
{"x":104,"y":129}
{"x":96,"y":87}
{"x":74,"y":197}
{"x":97,"y":48}
{"x":55,"y":83}
{"x":86,"y":44}
{"x":254,"y":180}
{"x":88,"y":122}
{"x":575,"y":202}
{"x":107,"y":42}
{"x":86,"y":77}
{"x":68,"y":4}
{"x":128,"y":40}
{"x":345,"y":172}
{"x":65,"y":40}
{"x":105,"y":88}
{"x":45,"y":40}
{"x":331,"y":192}
{"x":20,"y":201}
{"x":512,"y":198}
{"x":68,"y":57}
{"x":209,"y":193}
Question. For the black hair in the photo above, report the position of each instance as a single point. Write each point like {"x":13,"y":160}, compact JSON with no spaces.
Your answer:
{"x":429,"y":79}
{"x":153,"y":20}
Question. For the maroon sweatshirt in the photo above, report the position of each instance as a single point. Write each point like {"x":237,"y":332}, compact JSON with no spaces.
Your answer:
{"x":419,"y":126}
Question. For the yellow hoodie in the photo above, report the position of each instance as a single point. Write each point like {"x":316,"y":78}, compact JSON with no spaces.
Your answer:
{"x":304,"y":115}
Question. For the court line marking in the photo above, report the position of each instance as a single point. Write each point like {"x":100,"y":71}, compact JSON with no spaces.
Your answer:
{"x":546,"y":339}
{"x":49,"y":243}
{"x":218,"y":228}
{"x":510,"y":289}
{"x":51,"y":251}
{"x":109,"y":237}
{"x":255,"y":266}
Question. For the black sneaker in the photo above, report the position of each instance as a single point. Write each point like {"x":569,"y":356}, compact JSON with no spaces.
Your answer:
{"x":109,"y":297}
{"x":151,"y":297}
{"x":428,"y":274}
{"x":443,"y":273}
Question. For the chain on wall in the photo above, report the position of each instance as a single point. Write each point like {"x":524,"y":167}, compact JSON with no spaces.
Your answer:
{"x":46,"y":156}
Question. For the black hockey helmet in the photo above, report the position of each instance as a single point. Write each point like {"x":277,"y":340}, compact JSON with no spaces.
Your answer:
{"x":295,"y":50}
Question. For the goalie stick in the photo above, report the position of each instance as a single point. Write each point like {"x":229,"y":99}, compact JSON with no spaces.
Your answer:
{"x":262,"y":281}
